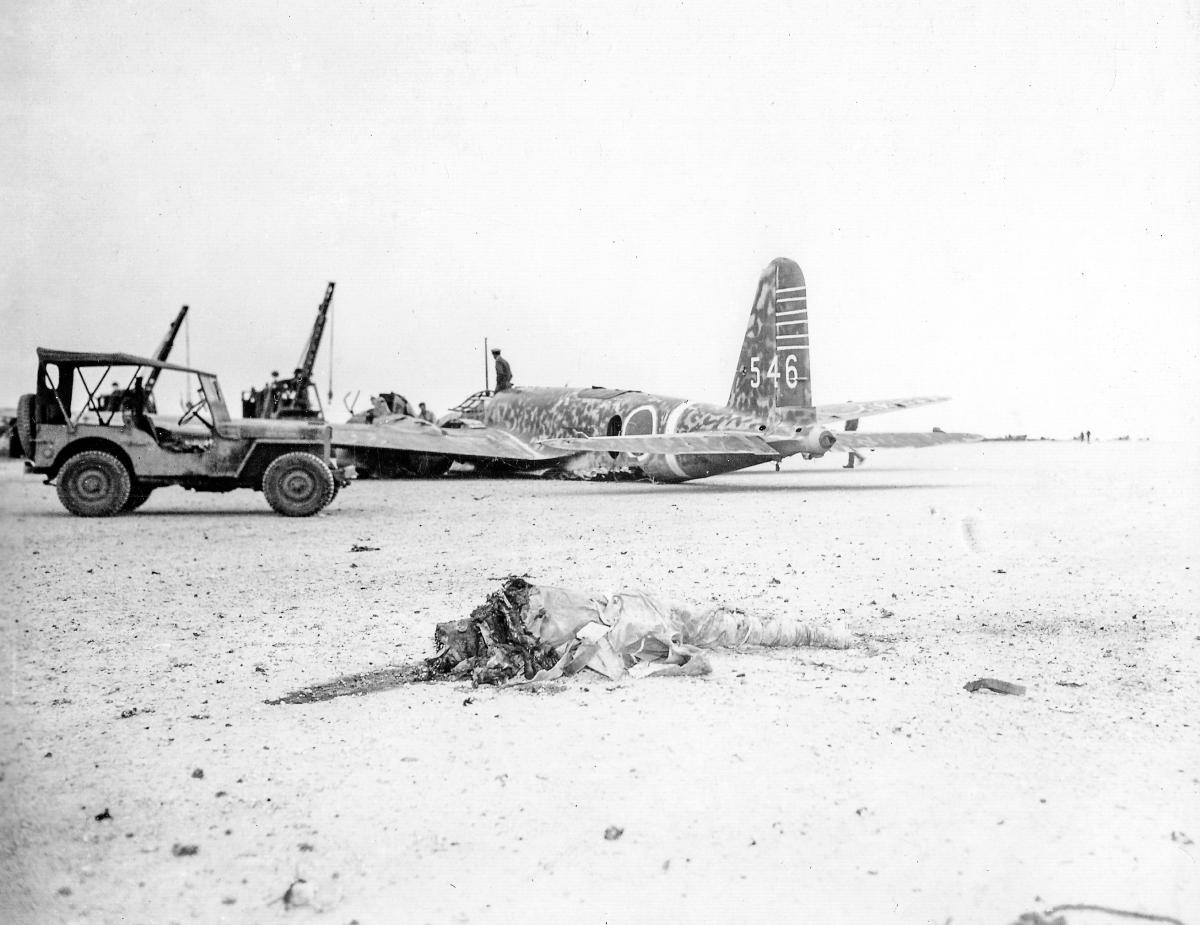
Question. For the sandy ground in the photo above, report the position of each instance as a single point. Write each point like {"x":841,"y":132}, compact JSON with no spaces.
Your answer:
{"x":790,"y":785}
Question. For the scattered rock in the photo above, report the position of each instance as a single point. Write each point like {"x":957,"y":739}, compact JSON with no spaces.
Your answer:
{"x":612,"y":833}
{"x":300,"y":893}
{"x":184,"y":851}
{"x":992,"y":684}
{"x":198,"y":773}
{"x":132,"y":711}
{"x":357,"y":548}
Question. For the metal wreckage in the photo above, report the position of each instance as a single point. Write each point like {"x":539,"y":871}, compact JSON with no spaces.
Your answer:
{"x":769,"y":416}
{"x":526,"y":633}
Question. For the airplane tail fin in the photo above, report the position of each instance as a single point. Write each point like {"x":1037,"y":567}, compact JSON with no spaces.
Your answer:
{"x":773,"y":372}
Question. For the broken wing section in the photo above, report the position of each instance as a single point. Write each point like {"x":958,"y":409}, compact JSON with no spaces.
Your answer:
{"x":852,"y":410}
{"x":857,"y":440}
{"x":676,"y":444}
{"x":467,"y":443}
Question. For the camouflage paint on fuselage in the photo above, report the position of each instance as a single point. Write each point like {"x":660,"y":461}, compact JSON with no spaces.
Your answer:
{"x":535,"y":414}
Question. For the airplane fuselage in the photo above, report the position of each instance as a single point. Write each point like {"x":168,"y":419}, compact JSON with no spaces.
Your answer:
{"x":535,"y":414}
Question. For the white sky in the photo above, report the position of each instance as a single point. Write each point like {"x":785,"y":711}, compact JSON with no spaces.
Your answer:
{"x":994,"y":201}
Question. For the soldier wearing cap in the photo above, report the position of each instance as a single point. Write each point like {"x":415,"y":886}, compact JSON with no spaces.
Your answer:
{"x":503,"y":371}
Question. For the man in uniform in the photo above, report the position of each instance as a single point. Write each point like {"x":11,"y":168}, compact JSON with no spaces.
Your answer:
{"x":503,"y":371}
{"x":852,"y":425}
{"x":425,"y":414}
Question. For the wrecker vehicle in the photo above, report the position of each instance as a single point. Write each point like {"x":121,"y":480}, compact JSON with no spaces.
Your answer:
{"x":105,"y":460}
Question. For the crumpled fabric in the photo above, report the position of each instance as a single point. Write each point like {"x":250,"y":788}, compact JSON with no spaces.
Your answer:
{"x":613,"y":634}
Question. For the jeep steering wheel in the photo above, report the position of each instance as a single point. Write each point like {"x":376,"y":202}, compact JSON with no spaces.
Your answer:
{"x":193,"y":411}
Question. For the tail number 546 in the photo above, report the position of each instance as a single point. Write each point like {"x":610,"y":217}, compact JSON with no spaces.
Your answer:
{"x":791,"y":373}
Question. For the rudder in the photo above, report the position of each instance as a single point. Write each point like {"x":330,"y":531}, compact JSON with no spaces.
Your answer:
{"x":773,"y":370}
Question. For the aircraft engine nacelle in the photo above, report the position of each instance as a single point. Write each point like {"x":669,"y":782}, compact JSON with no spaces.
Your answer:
{"x":815,"y":441}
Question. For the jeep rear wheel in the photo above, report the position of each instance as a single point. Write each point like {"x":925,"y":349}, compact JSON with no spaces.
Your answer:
{"x":298,"y":485}
{"x":93,"y":484}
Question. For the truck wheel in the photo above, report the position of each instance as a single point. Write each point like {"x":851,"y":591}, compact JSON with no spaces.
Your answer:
{"x":25,"y":424}
{"x":93,"y":484}
{"x":138,"y":495}
{"x":298,"y":485}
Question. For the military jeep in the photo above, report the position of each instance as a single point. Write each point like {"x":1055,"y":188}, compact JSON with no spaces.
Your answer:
{"x":107,"y":452}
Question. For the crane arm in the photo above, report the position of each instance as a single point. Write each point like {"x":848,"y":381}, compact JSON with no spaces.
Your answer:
{"x":164,"y":349}
{"x":309,"y":357}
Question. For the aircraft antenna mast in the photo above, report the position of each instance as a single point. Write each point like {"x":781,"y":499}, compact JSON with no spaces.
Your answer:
{"x":331,"y":359}
{"x":487,"y":376}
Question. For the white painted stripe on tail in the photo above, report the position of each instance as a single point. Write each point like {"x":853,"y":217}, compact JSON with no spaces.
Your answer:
{"x":792,"y":289}
{"x":779,"y":347}
{"x":798,"y":298}
{"x":789,"y":313}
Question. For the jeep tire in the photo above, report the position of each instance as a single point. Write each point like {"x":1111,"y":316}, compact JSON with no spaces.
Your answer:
{"x":138,"y":495}
{"x":93,"y":484}
{"x":298,"y":485}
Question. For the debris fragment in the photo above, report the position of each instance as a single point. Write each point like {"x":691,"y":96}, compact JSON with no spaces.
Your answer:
{"x":132,"y":711}
{"x":198,"y":773}
{"x":184,"y":851}
{"x":100,"y":817}
{"x":299,"y":893}
{"x":357,"y":548}
{"x":612,"y":833}
{"x":992,"y":684}
{"x":531,"y":633}
{"x":1069,"y":683}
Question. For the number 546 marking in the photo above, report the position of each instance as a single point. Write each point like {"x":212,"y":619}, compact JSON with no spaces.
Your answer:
{"x":791,"y":373}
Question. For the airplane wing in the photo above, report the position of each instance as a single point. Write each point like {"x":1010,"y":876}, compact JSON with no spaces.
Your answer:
{"x":726,"y":441}
{"x":414,"y":436}
{"x":851,"y":410}
{"x":858,"y":440}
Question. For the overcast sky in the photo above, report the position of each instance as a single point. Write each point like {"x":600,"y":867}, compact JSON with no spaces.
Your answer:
{"x":993,"y":201}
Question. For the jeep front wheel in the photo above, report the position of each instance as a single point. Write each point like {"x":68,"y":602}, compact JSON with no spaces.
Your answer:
{"x":138,"y":495}
{"x":298,"y":485}
{"x":93,"y":484}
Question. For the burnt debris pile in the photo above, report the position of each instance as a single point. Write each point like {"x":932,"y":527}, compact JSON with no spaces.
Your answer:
{"x":494,"y":644}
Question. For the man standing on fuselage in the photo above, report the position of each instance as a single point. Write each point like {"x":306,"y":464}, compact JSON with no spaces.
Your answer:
{"x":503,"y":371}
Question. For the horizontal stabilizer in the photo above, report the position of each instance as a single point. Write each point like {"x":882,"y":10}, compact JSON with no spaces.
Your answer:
{"x":858,"y":440}
{"x":852,"y":410}
{"x":695,"y":443}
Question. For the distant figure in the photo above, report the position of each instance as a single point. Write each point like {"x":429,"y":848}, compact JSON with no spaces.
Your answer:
{"x":503,"y":371}
{"x":1081,"y":436}
{"x":852,"y":425}
{"x":425,"y":414}
{"x":112,"y":401}
{"x":1089,"y":436}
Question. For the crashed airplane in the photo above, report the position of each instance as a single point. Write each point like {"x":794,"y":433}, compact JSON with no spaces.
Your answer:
{"x":769,"y":416}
